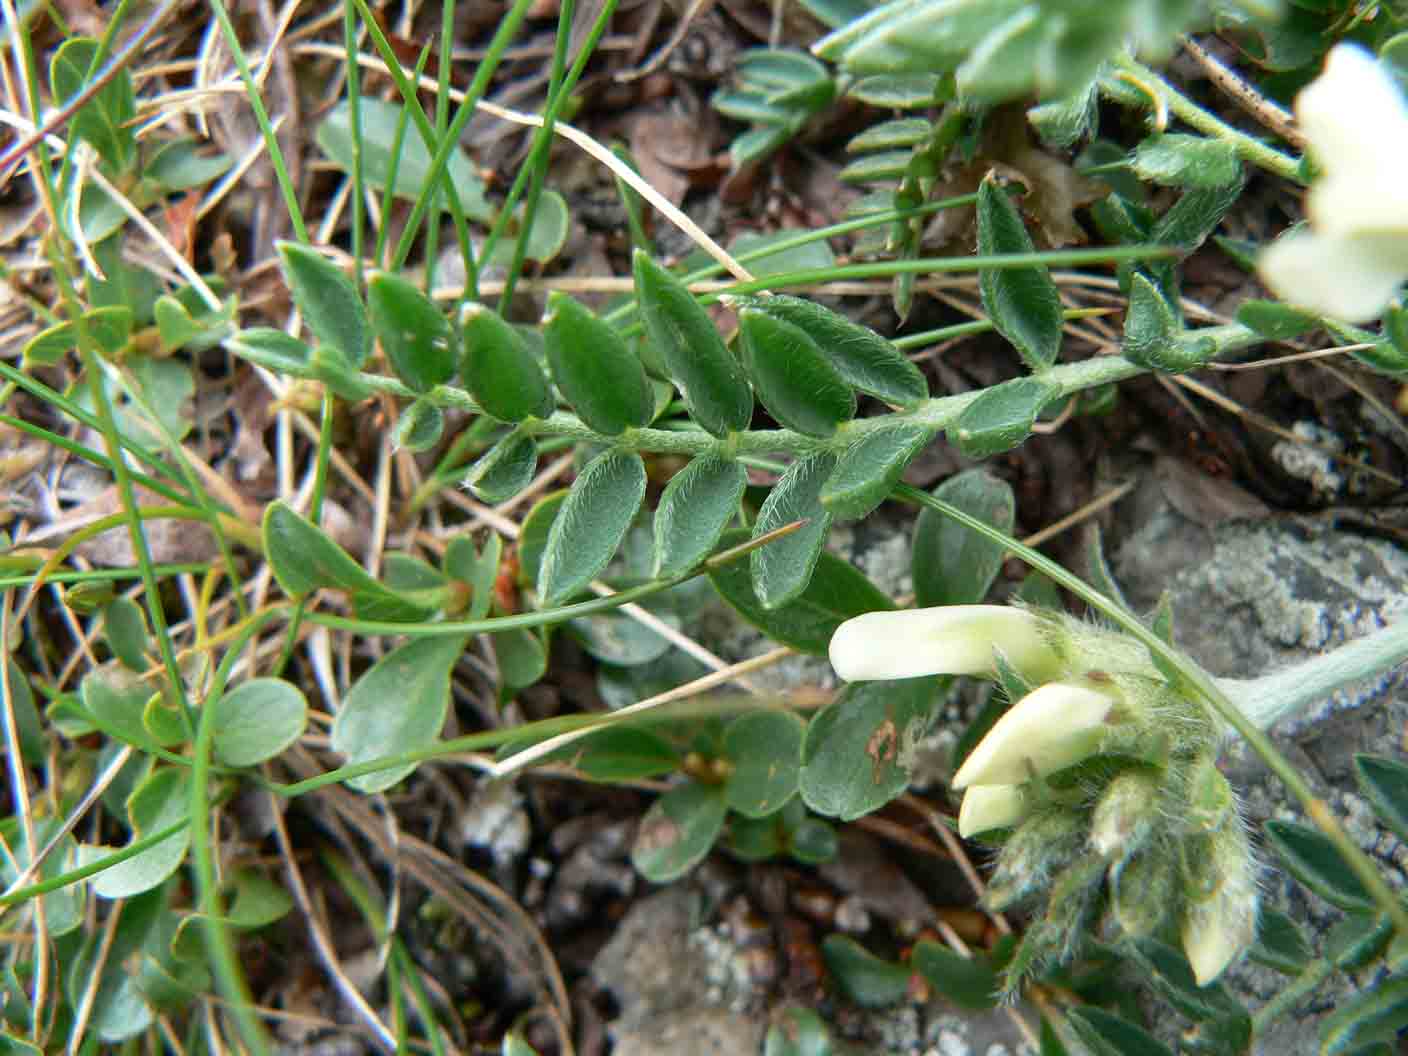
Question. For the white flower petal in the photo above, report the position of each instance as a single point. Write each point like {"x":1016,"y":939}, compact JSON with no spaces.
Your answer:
{"x":1355,"y":119}
{"x":947,"y":640}
{"x":1049,"y":729}
{"x":1351,"y":278}
{"x":987,"y":807}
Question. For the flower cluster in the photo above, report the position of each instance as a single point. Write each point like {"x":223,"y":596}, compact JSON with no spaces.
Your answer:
{"x":1102,"y":776}
{"x":1354,"y":256}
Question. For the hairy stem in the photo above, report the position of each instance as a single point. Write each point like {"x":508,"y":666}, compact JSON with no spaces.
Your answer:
{"x":1267,"y":700}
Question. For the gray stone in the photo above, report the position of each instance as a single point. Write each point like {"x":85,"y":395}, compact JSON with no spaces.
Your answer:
{"x":693,"y":1032}
{"x":682,"y":988}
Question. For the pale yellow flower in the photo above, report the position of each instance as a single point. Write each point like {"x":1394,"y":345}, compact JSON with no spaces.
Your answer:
{"x":1049,"y":729}
{"x":1353,"y":257}
{"x":947,"y":640}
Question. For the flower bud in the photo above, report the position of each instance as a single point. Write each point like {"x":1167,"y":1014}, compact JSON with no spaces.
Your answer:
{"x":1141,"y":892}
{"x":1049,"y":729}
{"x":1125,"y":815}
{"x":987,"y":807}
{"x":1211,"y":801}
{"x":1040,"y":846}
{"x":946,"y":640}
{"x":1219,"y":918}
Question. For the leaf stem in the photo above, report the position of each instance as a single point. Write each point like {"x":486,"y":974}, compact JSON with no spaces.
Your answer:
{"x":1248,"y":148}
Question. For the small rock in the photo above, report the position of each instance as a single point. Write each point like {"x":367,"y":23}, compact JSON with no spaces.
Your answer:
{"x":496,"y":819}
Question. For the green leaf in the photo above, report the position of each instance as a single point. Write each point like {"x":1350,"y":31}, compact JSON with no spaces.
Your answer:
{"x":616,"y":638}
{"x":331,"y":367}
{"x":1061,"y":123}
{"x":782,"y":568}
{"x":952,"y":564}
{"x":1108,"y":1035}
{"x":105,"y":119}
{"x":695,"y":508}
{"x":328,"y":299}
{"x":1384,"y":783}
{"x":522,"y":658}
{"x":678,"y":830}
{"x":885,"y":167}
{"x":930,"y":35}
{"x":379,"y":120}
{"x":1154,"y":335}
{"x":174,"y":325}
{"x":968,"y":982}
{"x":1357,"y":939}
{"x":178,"y":165}
{"x":110,"y":327}
{"x":836,"y":592}
{"x":1280,"y":943}
{"x":551,"y":224}
{"x":866,"y":979}
{"x":505,"y":470}
{"x":1177,"y":160}
{"x":1374,"y":1015}
{"x":1023,"y":303}
{"x":797,"y":383}
{"x":595,"y":369}
{"x":714,"y":384}
{"x":125,"y":628}
{"x":273,"y":350}
{"x":533,"y":537}
{"x":305,"y":559}
{"x":595,"y":518}
{"x":419,"y":426}
{"x":1276,"y":321}
{"x":257,"y":902}
{"x":64,"y":907}
{"x":1001,"y":417}
{"x":116,"y":697}
{"x":860,"y":748}
{"x":257,"y":720}
{"x":765,"y":749}
{"x":413,"y":332}
{"x":1196,"y":215}
{"x":864,"y":359}
{"x":397,"y":705}
{"x":1311,"y":858}
{"x":500,"y":370}
{"x":620,"y":752}
{"x":485,"y":574}
{"x":160,"y":800}
{"x":814,"y":842}
{"x":33,"y":740}
{"x":890,"y":135}
{"x":408,"y":572}
{"x":869,"y":469}
{"x":1219,"y":1015}
{"x":901,"y":91}
{"x":161,"y":718}
{"x":815,"y":255}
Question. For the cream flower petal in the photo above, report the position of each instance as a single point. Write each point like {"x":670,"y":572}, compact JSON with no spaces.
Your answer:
{"x":1348,"y":277}
{"x":987,"y":807}
{"x":1049,"y":729}
{"x":947,"y":640}
{"x":1354,"y":117}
